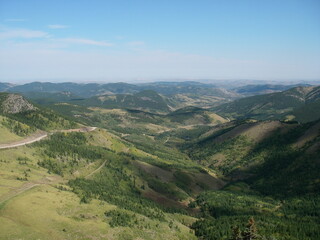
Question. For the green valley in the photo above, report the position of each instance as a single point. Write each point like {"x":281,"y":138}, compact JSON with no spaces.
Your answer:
{"x":140,"y":165}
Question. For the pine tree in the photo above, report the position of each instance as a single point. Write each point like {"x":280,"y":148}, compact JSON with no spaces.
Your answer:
{"x":250,"y":233}
{"x":236,"y":234}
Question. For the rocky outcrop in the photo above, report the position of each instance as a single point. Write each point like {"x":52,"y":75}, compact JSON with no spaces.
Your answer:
{"x":16,"y":104}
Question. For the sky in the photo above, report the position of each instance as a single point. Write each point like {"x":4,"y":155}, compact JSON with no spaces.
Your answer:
{"x":137,"y":40}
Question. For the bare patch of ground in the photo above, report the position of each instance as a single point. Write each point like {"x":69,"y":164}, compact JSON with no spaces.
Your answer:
{"x":256,"y":131}
{"x":210,"y":181}
{"x":309,"y":135}
{"x":262,"y":130}
{"x":314,"y":148}
{"x":215,"y":118}
{"x":163,"y":175}
{"x":164,"y":201}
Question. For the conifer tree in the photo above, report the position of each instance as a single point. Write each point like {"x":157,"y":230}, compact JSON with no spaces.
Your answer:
{"x":250,"y":233}
{"x":236,"y":234}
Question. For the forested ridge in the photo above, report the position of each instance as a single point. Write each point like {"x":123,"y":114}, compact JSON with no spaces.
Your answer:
{"x":190,"y":172}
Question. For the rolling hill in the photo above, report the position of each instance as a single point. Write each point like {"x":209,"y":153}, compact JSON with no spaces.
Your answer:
{"x":5,"y":86}
{"x":93,"y":89}
{"x":17,"y":108}
{"x":48,"y":87}
{"x":152,"y":172}
{"x":47,"y":98}
{"x":195,"y":116}
{"x":264,"y":153}
{"x":292,"y":104}
{"x":178,"y":94}
{"x":146,"y":100}
{"x":251,"y":90}
{"x":189,"y":88}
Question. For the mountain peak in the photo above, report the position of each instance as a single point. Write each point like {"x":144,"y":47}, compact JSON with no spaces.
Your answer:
{"x":15,"y":104}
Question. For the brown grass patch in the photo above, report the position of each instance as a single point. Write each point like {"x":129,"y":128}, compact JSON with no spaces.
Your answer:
{"x":309,"y":135}
{"x":163,"y":175}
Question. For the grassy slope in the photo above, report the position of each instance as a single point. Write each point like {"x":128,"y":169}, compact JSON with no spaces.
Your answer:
{"x":133,"y":165}
{"x":224,"y":147}
{"x":157,"y":166}
{"x":20,"y":169}
{"x":275,"y":179}
{"x":126,"y":122}
{"x":61,"y":213}
{"x":6,"y":135}
{"x":49,"y":213}
{"x":19,"y":163}
{"x":261,"y":149}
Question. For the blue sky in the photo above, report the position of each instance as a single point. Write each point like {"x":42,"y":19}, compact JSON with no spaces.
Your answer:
{"x":152,"y":40}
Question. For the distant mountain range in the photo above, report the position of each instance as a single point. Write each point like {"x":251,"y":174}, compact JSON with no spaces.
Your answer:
{"x":165,"y":88}
{"x":5,"y":86}
{"x":174,"y":95}
{"x":94,"y":89}
{"x":251,"y":90}
{"x":299,"y":102}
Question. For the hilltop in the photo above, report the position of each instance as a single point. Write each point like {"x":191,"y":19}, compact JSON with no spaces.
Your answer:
{"x":300,"y":103}
{"x":176,"y":94}
{"x":12,"y":103}
{"x":16,"y":108}
{"x":145,"y":100}
{"x":195,"y":116}
{"x":251,"y":90}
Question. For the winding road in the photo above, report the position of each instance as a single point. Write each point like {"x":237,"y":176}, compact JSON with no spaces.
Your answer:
{"x":29,"y":185}
{"x":31,"y":139}
{"x":41,"y":135}
{"x":49,"y":180}
{"x":46,"y":180}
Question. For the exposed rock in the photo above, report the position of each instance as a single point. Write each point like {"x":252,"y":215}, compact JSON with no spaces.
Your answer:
{"x":16,"y":104}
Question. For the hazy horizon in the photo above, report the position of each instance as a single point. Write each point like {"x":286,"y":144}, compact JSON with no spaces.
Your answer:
{"x":218,"y":82}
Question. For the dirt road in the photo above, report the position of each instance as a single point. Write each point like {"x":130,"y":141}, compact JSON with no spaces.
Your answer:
{"x":31,"y":139}
{"x":43,"y":181}
{"x":30,"y":185}
{"x":41,"y":135}
{"x":47,"y":180}
{"x":101,"y":166}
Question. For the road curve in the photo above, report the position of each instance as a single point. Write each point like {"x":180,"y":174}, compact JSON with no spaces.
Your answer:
{"x":29,"y":185}
{"x":49,"y":180}
{"x":41,"y":135}
{"x":31,"y":139}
